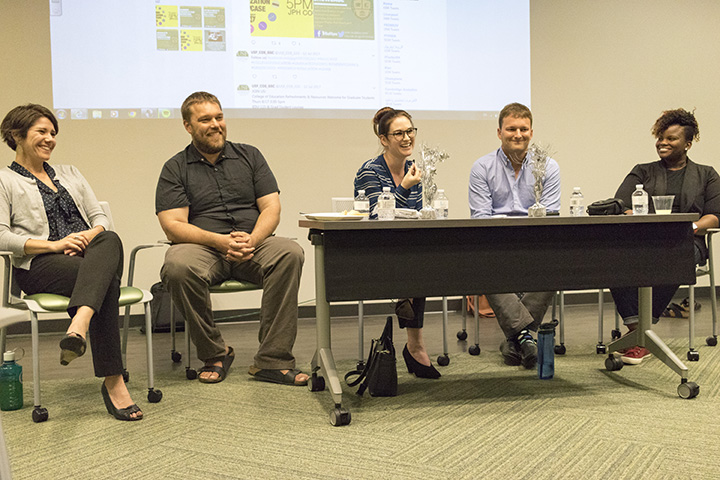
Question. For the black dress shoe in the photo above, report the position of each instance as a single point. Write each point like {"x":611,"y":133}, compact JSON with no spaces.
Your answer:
{"x":510,"y":351}
{"x":71,"y":347}
{"x":120,"y":413}
{"x":420,"y":370}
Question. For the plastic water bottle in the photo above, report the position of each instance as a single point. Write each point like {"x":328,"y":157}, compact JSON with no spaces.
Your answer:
{"x":11,"y":388}
{"x":577,"y":203}
{"x":546,"y":350}
{"x":441,"y":205}
{"x":386,"y":205}
{"x":362,"y":203}
{"x":639,"y":201}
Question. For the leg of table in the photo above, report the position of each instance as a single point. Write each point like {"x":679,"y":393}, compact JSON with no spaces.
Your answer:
{"x":651,"y":340}
{"x":323,"y":359}
{"x":645,"y":337}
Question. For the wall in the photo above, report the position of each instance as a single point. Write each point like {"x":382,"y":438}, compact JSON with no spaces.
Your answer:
{"x":602,"y":72}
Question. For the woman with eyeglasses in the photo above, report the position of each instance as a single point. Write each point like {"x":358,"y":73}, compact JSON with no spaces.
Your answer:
{"x":59,"y":236}
{"x":393,"y":168}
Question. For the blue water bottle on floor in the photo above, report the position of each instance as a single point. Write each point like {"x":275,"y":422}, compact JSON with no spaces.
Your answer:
{"x":546,"y":350}
{"x":11,"y":389}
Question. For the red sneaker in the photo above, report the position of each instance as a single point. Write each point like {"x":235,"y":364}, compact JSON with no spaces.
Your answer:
{"x":635,"y":355}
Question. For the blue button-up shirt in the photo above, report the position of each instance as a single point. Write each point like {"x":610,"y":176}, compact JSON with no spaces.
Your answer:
{"x":494,"y":190}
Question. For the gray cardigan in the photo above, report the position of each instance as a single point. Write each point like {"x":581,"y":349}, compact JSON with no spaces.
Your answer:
{"x":22,"y":212}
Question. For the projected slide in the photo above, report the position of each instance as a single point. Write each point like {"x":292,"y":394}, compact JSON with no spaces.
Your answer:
{"x":297,"y":58}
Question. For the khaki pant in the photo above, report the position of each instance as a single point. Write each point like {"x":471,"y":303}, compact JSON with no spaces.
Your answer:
{"x":190,"y":269}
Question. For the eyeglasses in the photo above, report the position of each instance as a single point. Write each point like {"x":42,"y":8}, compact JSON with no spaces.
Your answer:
{"x":410,"y":132}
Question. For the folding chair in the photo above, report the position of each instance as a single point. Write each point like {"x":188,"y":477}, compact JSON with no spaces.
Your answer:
{"x":228,"y":286}
{"x":51,"y":303}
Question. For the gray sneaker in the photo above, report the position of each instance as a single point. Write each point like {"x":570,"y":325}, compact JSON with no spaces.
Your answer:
{"x":511,"y":352}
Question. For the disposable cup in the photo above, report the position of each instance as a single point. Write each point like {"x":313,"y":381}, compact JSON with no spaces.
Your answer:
{"x":663,"y":204}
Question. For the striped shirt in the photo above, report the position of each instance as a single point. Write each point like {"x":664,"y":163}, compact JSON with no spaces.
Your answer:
{"x":375,"y":174}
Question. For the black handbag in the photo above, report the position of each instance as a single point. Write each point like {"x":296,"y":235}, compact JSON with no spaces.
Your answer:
{"x":611,"y":206}
{"x":379,"y":376}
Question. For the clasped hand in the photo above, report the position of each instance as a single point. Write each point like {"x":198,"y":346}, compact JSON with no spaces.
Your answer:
{"x":240,"y":247}
{"x":73,"y":244}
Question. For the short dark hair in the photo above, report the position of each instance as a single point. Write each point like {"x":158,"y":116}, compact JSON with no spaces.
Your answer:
{"x":680,"y":117}
{"x":197,"y":97}
{"x":384,"y":117}
{"x":515,"y":110}
{"x":20,"y":119}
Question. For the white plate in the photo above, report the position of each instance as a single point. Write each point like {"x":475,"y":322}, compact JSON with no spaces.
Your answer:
{"x":333,"y":217}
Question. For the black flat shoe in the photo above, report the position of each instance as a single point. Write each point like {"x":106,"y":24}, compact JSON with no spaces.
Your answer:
{"x":119,"y":413}
{"x":420,"y":370}
{"x":71,"y":347}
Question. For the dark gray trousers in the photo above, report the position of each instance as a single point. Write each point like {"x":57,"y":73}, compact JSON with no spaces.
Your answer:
{"x":515,"y":314}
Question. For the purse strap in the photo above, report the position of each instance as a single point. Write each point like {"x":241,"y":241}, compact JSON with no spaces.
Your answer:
{"x":386,"y":341}
{"x":363,"y":373}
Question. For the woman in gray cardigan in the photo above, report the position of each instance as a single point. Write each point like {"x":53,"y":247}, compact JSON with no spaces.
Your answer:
{"x":696,"y":188}
{"x":59,"y":236}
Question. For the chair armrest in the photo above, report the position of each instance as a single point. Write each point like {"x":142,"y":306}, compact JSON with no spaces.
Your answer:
{"x":8,"y":299}
{"x":7,"y":277}
{"x":135,"y":251}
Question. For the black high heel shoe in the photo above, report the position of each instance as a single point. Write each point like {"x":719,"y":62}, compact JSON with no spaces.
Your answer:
{"x":119,"y":413}
{"x":420,"y":370}
{"x":71,"y":347}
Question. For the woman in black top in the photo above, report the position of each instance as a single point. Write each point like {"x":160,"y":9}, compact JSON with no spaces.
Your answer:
{"x":696,"y":188}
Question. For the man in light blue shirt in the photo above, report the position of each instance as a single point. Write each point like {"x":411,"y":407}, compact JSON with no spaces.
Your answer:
{"x":501,"y":183}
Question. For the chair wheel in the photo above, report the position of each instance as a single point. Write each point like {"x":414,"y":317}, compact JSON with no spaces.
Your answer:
{"x":339,"y":416}
{"x":688,"y":390}
{"x":600,"y":349}
{"x":443,"y":360}
{"x":190,"y":373}
{"x":176,"y":356}
{"x":474,"y":350}
{"x":613,"y":363}
{"x":615,"y":334}
{"x":559,"y":349}
{"x":462,"y":335}
{"x":360,"y":365}
{"x":126,"y":376}
{"x":316,"y":383}
{"x":711,"y":341}
{"x":693,"y":355}
{"x":154,"y":396}
{"x":39,"y":414}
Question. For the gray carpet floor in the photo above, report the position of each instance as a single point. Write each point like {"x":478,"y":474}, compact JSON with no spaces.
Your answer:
{"x":482,"y":419}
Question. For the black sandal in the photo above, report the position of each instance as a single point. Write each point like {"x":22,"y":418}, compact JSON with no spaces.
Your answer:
{"x":221,"y":371}
{"x":685,"y":304}
{"x":71,"y":347}
{"x":675,"y":311}
{"x":120,"y":413}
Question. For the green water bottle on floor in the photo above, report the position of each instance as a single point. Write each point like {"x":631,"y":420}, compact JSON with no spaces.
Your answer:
{"x":11,"y":388}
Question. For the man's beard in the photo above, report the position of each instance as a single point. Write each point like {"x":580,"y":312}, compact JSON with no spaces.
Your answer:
{"x":204,"y":146}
